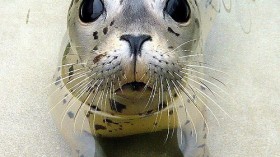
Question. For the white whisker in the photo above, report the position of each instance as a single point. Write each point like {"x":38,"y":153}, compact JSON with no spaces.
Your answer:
{"x":187,"y":56}
{"x":205,"y":67}
{"x":71,"y":64}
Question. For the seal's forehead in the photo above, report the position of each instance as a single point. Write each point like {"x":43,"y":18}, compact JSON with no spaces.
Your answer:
{"x":134,"y":4}
{"x":132,"y":8}
{"x":139,"y":9}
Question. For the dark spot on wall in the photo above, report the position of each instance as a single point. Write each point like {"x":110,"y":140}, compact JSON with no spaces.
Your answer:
{"x":187,"y":122}
{"x":99,"y":127}
{"x":27,"y":17}
{"x":170,"y":47}
{"x":172,"y":31}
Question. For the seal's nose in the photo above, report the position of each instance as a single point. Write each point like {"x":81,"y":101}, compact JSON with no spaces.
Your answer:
{"x":136,"y":42}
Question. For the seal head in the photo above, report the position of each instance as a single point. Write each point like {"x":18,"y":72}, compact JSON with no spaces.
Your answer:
{"x":134,"y":52}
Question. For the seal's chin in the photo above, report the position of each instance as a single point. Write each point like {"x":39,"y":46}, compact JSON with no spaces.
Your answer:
{"x":134,"y":90}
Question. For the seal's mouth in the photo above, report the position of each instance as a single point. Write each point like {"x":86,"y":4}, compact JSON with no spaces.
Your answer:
{"x":134,"y":87}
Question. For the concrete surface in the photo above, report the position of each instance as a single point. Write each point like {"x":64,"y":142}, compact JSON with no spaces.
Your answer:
{"x":29,"y":44}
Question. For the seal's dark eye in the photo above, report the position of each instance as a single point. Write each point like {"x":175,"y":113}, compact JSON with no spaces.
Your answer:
{"x":179,"y":10}
{"x":91,"y":10}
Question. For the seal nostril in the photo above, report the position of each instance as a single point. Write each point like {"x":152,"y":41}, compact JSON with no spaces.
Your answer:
{"x":136,"y":42}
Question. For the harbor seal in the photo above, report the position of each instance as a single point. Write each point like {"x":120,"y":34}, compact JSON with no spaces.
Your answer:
{"x":128,"y":80}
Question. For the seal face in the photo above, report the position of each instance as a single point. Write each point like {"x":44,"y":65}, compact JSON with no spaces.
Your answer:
{"x":127,"y":70}
{"x":131,"y":46}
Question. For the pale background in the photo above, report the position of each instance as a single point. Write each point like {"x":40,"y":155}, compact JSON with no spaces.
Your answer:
{"x":29,"y":52}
